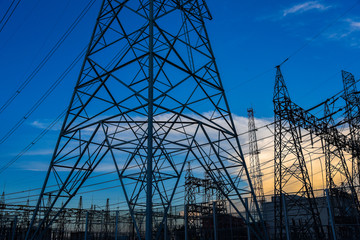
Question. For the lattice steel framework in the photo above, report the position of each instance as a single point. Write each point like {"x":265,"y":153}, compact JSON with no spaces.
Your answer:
{"x":335,"y":162}
{"x":78,"y":223}
{"x":200,"y":194}
{"x":351,"y":96}
{"x":290,"y":167}
{"x":255,"y":169}
{"x":337,"y":168}
{"x":192,"y":186}
{"x":149,"y":98}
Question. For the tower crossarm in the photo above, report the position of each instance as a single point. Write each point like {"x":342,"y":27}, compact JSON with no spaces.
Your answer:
{"x":320,"y":128}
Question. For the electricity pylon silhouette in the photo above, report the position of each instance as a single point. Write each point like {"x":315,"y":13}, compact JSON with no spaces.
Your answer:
{"x":351,"y":96}
{"x":149,"y":98}
{"x":290,"y":168}
{"x":255,"y":168}
{"x":337,"y":167}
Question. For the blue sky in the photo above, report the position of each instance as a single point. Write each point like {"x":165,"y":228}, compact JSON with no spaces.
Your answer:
{"x":249,"y":38}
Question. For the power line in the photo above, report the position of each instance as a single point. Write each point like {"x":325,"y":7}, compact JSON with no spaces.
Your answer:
{"x":112,"y":180}
{"x":48,"y":56}
{"x":7,"y":11}
{"x":42,"y":98}
{"x":242,"y":145}
{"x":320,"y":32}
{"x":30,"y":190}
{"x":29,"y":146}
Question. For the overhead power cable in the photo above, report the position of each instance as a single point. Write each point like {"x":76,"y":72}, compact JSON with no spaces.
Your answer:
{"x":130,"y":167}
{"x":6,"y":19}
{"x":27,"y":148}
{"x":334,"y":98}
{"x":321,"y":31}
{"x":52,"y":124}
{"x":112,"y":180}
{"x":48,"y":56}
{"x":32,"y":143}
{"x":43,"y":97}
{"x":7,"y":11}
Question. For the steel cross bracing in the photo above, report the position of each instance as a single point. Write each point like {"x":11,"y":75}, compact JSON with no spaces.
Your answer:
{"x":335,"y":162}
{"x":290,"y":166}
{"x":148,"y":98}
{"x":337,"y":167}
{"x":332,"y":136}
{"x":334,"y":143}
{"x":200,"y":194}
{"x":316,"y":126}
{"x":107,"y":218}
{"x":255,"y":170}
{"x":191,"y":189}
{"x":78,"y":225}
{"x":351,"y":97}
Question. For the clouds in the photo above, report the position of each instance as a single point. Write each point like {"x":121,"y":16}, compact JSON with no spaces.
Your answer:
{"x":347,"y":31}
{"x":320,"y":20}
{"x":45,"y":123}
{"x":354,"y":25}
{"x":304,"y":7}
{"x":337,"y":27}
{"x":44,"y":153}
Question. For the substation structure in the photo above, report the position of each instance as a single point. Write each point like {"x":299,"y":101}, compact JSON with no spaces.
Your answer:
{"x":296,"y":209}
{"x":329,"y":139}
{"x":204,"y":220}
{"x":149,"y":100}
{"x":79,"y":223}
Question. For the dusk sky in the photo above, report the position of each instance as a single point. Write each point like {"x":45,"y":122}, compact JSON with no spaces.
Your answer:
{"x":249,"y":38}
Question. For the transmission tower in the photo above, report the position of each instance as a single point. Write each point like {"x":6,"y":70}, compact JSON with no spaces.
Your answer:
{"x":351,"y":97}
{"x":61,"y":224}
{"x":335,"y":161}
{"x":337,"y":167}
{"x":2,"y":200}
{"x":79,"y":215}
{"x":107,"y":217}
{"x":290,"y":167}
{"x":149,"y":98}
{"x":26,"y":220}
{"x":198,"y":213}
{"x":255,"y":170}
{"x":2,"y":212}
{"x":192,"y":186}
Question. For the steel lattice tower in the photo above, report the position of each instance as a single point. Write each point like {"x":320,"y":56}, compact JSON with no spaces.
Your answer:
{"x":290,"y":166}
{"x":148,"y":98}
{"x":79,"y":213}
{"x":255,"y":169}
{"x":336,"y":166}
{"x":335,"y":162}
{"x":351,"y":96}
{"x":191,"y":189}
